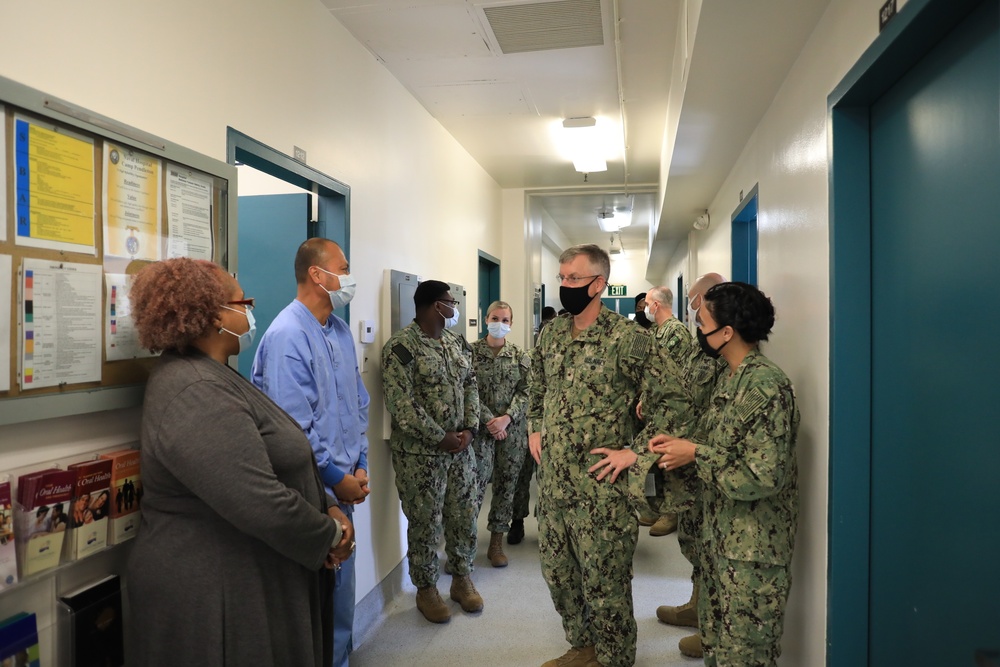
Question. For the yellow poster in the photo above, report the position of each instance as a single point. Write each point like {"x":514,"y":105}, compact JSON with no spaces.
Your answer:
{"x":54,"y":179}
{"x":132,"y":198}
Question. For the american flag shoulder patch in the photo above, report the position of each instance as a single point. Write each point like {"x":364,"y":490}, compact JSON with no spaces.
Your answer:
{"x":752,"y":401}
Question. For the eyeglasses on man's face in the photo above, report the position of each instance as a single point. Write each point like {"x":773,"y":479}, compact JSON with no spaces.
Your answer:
{"x":573,"y":280}
{"x":449,"y":302}
{"x":249,"y":303}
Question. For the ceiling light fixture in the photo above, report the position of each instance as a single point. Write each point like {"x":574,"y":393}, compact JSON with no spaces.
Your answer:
{"x":585,"y":144}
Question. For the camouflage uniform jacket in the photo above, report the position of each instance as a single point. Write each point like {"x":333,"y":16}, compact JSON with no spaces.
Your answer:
{"x":429,"y":387}
{"x":583,"y":395}
{"x":502,"y":382}
{"x":747,"y":463}
{"x":668,"y":407}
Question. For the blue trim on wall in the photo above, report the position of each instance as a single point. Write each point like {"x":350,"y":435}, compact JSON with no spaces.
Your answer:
{"x":919,"y":25}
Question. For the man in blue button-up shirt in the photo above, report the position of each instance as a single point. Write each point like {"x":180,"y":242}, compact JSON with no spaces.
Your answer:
{"x":307,"y":364}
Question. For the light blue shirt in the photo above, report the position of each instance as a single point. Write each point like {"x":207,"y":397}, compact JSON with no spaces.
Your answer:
{"x":311,"y":371}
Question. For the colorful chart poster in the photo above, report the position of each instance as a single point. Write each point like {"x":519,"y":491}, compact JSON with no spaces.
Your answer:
{"x":6,"y":287}
{"x":60,"y":323}
{"x":121,"y":340}
{"x":132,"y":199}
{"x":54,"y":181}
{"x":189,"y":214}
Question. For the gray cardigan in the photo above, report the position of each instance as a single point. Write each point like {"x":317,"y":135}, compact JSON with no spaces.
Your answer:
{"x":227,"y":564}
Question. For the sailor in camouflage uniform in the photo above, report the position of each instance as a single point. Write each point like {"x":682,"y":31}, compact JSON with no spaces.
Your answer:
{"x":430,"y":392}
{"x":746,"y":461}
{"x":700,"y":375}
{"x":502,"y":372}
{"x":586,"y":379}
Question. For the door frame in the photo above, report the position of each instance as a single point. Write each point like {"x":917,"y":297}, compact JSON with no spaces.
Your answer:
{"x":917,"y":29}
{"x":330,"y":195}
{"x":744,"y":238}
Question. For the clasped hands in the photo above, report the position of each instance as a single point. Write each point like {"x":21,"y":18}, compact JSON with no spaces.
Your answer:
{"x":353,"y":489}
{"x":498,"y":427}
{"x":343,"y":549}
{"x":455,"y":441}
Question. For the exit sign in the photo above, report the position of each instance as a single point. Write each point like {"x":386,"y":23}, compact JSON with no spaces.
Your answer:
{"x":617,"y":290}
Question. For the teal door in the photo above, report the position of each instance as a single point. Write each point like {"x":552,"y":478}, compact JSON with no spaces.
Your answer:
{"x":489,"y":289}
{"x":271,"y":228}
{"x":935,"y":488}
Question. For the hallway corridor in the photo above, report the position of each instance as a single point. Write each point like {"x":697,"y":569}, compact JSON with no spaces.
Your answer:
{"x":519,"y":626}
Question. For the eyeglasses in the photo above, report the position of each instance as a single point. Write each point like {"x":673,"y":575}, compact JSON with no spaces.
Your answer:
{"x":450,"y":302}
{"x":573,"y":280}
{"x":249,"y":303}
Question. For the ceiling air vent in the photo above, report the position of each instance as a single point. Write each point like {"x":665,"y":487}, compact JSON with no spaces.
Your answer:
{"x":540,"y":26}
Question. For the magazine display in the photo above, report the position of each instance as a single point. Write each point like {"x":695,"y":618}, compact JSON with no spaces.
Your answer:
{"x":44,"y":500}
{"x":126,"y":493}
{"x":8,"y":552}
{"x":90,"y":508}
{"x":19,"y":640}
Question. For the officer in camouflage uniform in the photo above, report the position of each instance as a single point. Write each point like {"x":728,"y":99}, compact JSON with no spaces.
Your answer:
{"x":700,"y":376}
{"x":673,"y":340}
{"x":502,"y":372}
{"x":587,"y":375}
{"x":746,"y":461}
{"x":430,"y":392}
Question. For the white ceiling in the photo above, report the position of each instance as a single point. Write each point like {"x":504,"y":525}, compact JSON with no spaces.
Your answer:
{"x":503,"y":107}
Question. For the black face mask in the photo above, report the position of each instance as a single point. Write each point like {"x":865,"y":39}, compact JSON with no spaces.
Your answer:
{"x":576,"y":299}
{"x":710,"y":351}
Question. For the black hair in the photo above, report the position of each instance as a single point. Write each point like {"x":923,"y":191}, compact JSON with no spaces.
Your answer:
{"x":548,"y":312}
{"x":639,"y":297}
{"x":742,"y":307}
{"x":428,"y":292}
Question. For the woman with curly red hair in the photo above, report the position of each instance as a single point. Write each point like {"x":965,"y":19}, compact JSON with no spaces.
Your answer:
{"x":229,"y":565}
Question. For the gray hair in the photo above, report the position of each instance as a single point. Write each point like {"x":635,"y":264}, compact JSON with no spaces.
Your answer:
{"x":598,"y":257}
{"x":661,"y":294}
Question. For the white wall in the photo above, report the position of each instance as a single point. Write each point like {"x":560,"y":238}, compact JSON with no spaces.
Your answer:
{"x":787,"y":157}
{"x":285,"y":73}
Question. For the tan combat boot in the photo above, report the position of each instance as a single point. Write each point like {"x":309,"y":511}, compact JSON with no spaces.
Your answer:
{"x":684,"y":615}
{"x":575,"y":657}
{"x":495,"y":553}
{"x":691,"y":646}
{"x":664,"y":525}
{"x":430,"y":604}
{"x":464,"y":593}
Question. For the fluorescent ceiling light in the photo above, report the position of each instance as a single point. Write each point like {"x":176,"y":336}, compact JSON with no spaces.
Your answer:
{"x":607,"y":224}
{"x":585,"y":144}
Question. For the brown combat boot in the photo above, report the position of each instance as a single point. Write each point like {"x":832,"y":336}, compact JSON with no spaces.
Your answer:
{"x":685,"y":615}
{"x":691,"y":646}
{"x":430,"y":604}
{"x":495,"y":553}
{"x":464,"y":593}
{"x":664,"y":525}
{"x":575,"y":657}
{"x":647,"y":518}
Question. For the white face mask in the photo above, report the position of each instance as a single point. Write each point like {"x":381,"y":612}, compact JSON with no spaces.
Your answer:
{"x":341,"y":297}
{"x":449,"y":322}
{"x":498,"y":329}
{"x":246,"y":339}
{"x":649,"y":313}
{"x":693,"y":312}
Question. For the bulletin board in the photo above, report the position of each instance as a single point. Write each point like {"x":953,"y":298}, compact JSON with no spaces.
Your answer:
{"x":87,"y":202}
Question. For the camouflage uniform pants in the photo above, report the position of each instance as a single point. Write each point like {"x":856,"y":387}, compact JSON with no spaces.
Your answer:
{"x":522,"y":491}
{"x":586,"y":550}
{"x":499,"y":461}
{"x":438,"y":495}
{"x":688,"y":536}
{"x":741,"y":611}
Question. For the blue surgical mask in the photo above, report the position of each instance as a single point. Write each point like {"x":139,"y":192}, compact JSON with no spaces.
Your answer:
{"x":498,"y":329}
{"x":341,"y":297}
{"x":246,"y":339}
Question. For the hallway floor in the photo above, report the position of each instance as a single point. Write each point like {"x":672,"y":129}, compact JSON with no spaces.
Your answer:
{"x":519,"y":626}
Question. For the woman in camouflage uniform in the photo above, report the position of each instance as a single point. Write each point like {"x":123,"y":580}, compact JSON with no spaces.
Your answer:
{"x":745,"y":457}
{"x":502,"y":370}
